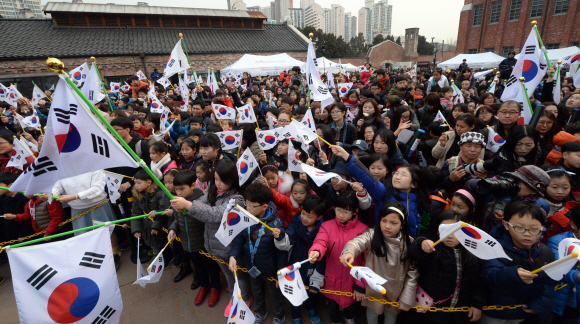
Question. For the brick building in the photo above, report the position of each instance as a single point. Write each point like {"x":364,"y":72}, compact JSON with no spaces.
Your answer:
{"x":502,"y":25}
{"x":125,"y":39}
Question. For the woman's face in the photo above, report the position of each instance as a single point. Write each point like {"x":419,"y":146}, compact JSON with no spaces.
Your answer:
{"x":302,"y":101}
{"x":488,"y":100}
{"x":456,"y":112}
{"x":369,"y":134}
{"x":573,"y":102}
{"x":402,"y":180}
{"x":5,"y":147}
{"x":368,"y":110}
{"x":209,"y":153}
{"x":221,"y":186}
{"x":524,"y":146}
{"x":553,"y":109}
{"x":466,"y":75}
{"x":149,"y":124}
{"x":284,"y":120}
{"x":293,"y":96}
{"x":155,"y":156}
{"x":283,"y":149}
{"x":405,"y":117}
{"x":485,"y":116}
{"x":544,"y":125}
{"x":380,"y":146}
{"x":379,"y":170}
{"x":470,"y":151}
{"x":324,"y":114}
{"x":471,"y":107}
{"x":336,"y":114}
{"x":319,"y":133}
{"x":461,"y":127}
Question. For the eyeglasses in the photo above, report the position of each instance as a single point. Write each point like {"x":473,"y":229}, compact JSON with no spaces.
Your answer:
{"x":508,"y":112}
{"x":546,"y":123}
{"x":400,"y":174}
{"x":343,"y":211}
{"x":283,"y":121}
{"x":519,"y":229}
{"x":335,"y":112}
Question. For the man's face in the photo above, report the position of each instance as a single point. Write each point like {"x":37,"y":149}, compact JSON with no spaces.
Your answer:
{"x":197,"y":110}
{"x":376,"y":90}
{"x":135,"y":83}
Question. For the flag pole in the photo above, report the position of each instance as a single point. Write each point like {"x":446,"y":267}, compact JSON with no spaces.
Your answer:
{"x":119,"y":174}
{"x":453,"y":230}
{"x":522,"y":81}
{"x":41,"y":91}
{"x":256,"y":218}
{"x":188,"y":60}
{"x":236,"y":277}
{"x":77,"y":230}
{"x":102,"y":84}
{"x":8,"y":189}
{"x":57,"y":66}
{"x":555,"y":263}
{"x":159,"y":254}
{"x":535,"y":27}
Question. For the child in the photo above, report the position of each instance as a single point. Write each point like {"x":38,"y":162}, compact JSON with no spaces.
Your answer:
{"x":566,"y":301}
{"x":44,"y":216}
{"x":190,"y":231}
{"x":464,"y":203}
{"x":447,"y":97}
{"x":163,"y":158}
{"x":257,"y":249}
{"x":330,"y":190}
{"x":203,"y":174}
{"x":168,"y":179}
{"x":189,"y":157}
{"x":561,"y":202}
{"x":332,"y":235}
{"x":570,"y":161}
{"x":298,"y":239}
{"x":450,"y":275}
{"x":293,"y":204}
{"x":138,"y":126}
{"x":279,"y":181}
{"x":385,"y":249}
{"x":510,"y":282}
{"x":147,"y":200}
{"x":400,"y":93}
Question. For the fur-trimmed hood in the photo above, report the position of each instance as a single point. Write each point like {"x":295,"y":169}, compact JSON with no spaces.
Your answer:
{"x":152,"y":189}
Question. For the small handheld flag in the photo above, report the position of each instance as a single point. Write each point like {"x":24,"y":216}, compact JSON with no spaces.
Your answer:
{"x":272,"y":121}
{"x":79,"y":74}
{"x":113,"y":184}
{"x":291,"y":285}
{"x":294,"y":163}
{"x":566,"y":259}
{"x":246,"y":113}
{"x":141,"y":75}
{"x":318,"y":176}
{"x":19,"y":155}
{"x":234,"y":220}
{"x":476,"y":241}
{"x":246,"y":165}
{"x":343,"y":89}
{"x":369,"y":278}
{"x":494,"y":140}
{"x":240,"y":313}
{"x":223,"y":112}
{"x":267,"y":139}
{"x":230,"y":139}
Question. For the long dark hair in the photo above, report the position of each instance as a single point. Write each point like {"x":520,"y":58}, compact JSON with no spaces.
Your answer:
{"x":155,"y":118}
{"x":420,"y":190}
{"x":376,"y":115}
{"x":388,"y":137}
{"x":433,"y":100}
{"x":228,"y":174}
{"x":517,"y":133}
{"x":396,"y":120}
{"x":162,"y":147}
{"x":549,"y":136}
{"x":378,"y":245}
{"x":326,"y":134}
{"x":248,"y":134}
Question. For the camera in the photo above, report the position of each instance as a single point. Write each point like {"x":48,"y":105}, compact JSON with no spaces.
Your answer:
{"x":489,"y":165}
{"x":499,"y":187}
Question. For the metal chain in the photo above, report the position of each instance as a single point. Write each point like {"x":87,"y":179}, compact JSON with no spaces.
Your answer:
{"x":61,"y":224}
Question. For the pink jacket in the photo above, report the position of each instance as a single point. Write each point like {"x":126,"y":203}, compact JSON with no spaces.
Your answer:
{"x":448,"y":103}
{"x":331,"y":238}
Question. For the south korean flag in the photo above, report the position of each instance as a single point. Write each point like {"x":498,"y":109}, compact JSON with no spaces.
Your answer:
{"x":246,"y":113}
{"x":141,"y":75}
{"x":113,"y":184}
{"x":240,"y":313}
{"x":223,"y":112}
{"x":19,"y":155}
{"x":71,"y":281}
{"x":230,"y":139}
{"x":294,"y":163}
{"x":79,"y":75}
{"x":267,"y":139}
{"x":291,"y":285}
{"x":246,"y":165}
{"x":234,"y":220}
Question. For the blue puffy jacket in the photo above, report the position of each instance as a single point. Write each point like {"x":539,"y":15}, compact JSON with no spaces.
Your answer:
{"x":381,"y":195}
{"x":565,"y":295}
{"x":504,"y":285}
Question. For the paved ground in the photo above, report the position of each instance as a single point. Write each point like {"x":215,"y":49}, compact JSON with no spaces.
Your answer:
{"x":164,"y":302}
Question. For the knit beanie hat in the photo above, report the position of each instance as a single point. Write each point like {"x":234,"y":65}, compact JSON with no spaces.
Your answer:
{"x":532,"y":176}
{"x":472,"y":137}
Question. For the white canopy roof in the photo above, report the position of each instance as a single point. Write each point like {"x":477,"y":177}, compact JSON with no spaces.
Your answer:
{"x":349,"y":67}
{"x":263,"y":65}
{"x":474,"y":61}
{"x":324,"y":64}
{"x":555,"y":54}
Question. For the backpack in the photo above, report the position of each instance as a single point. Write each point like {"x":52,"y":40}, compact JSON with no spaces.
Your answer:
{"x":446,"y":202}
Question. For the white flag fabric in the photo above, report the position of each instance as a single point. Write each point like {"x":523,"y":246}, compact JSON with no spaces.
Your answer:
{"x":79,"y":75}
{"x":308,"y":121}
{"x":92,"y":87}
{"x":318,"y":176}
{"x":556,"y":270}
{"x":212,"y":83}
{"x":494,"y":140}
{"x":19,"y":155}
{"x":14,"y":93}
{"x":141,"y":75}
{"x":440,"y":118}
{"x":330,"y":77}
{"x":115,"y":86}
{"x":31,"y":121}
{"x":267,"y":139}
{"x":288,"y":132}
{"x":246,"y":113}
{"x":154,"y":273}
{"x":557,"y":82}
{"x":223,"y":112}
{"x":156,"y":106}
{"x":524,"y":102}
{"x":246,"y":165}
{"x":224,"y":79}
{"x":238,"y":84}
{"x":71,"y":281}
{"x":476,"y":241}
{"x":234,"y":220}
{"x":482,"y":73}
{"x":176,"y":62}
{"x":37,"y":95}
{"x":305,"y":135}
{"x":291,"y":285}
{"x":184,"y":94}
{"x":9,"y":96}
{"x":369,"y":278}
{"x":272,"y":121}
{"x":294,"y":163}
{"x":340,"y":67}
{"x":162,"y":127}
{"x":343,"y":88}
{"x":362,"y":68}
{"x":3,"y":91}
{"x":113,"y":184}
{"x":240,"y":313}
{"x":125,"y":88}
{"x":492,"y":87}
{"x":75,"y":143}
{"x":189,"y":79}
{"x":458,"y":95}
{"x":570,"y":59}
{"x":318,"y":91}
{"x":30,"y":145}
{"x":230,"y":139}
{"x":164,"y":82}
{"x":531,"y":65}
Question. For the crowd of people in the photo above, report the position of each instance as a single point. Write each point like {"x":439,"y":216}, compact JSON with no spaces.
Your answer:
{"x":382,"y":211}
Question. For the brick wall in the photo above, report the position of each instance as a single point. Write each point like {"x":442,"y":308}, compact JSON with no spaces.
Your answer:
{"x":554,"y":28}
{"x":128,"y":65}
{"x":387,"y":51}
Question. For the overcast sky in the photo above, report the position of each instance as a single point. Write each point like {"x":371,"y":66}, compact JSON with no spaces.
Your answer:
{"x":435,"y":18}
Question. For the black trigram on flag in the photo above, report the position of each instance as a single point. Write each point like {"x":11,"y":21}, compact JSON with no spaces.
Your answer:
{"x":511,"y":81}
{"x":287,"y":135}
{"x":40,"y":166}
{"x":92,"y":260}
{"x":530,"y":49}
{"x":471,"y":244}
{"x":295,"y":162}
{"x":242,"y":315}
{"x":490,"y":243}
{"x":63,"y":116}
{"x":288,"y":289}
{"x":100,"y":145}
{"x":322,"y":90}
{"x":104,"y":315}
{"x":41,"y":276}
{"x":91,"y":95}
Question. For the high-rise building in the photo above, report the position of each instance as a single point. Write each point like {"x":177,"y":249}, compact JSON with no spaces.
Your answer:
{"x":365,"y":23}
{"x":382,"y":16}
{"x":313,"y":16}
{"x":297,"y":17}
{"x":284,"y":10}
{"x":353,"y":27}
{"x":21,"y":9}
{"x":337,"y":20}
{"x":326,"y":13}
{"x":349,"y":26}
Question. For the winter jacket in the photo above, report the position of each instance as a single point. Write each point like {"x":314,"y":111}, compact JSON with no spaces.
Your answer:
{"x":440,"y":282}
{"x":297,"y":239}
{"x":397,"y":95}
{"x":326,"y":192}
{"x":370,"y":122}
{"x":452,"y":186}
{"x":192,"y":164}
{"x":559,"y":222}
{"x":345,"y":135}
{"x":12,"y":230}
{"x":443,"y":82}
{"x":211,"y":216}
{"x":143,"y":132}
{"x":287,"y":204}
{"x":44,"y":216}
{"x":142,"y":86}
{"x":364,"y":76}
{"x":427,"y":116}
{"x":504,"y":285}
{"x":397,"y":160}
{"x":189,"y":230}
{"x":268,"y":259}
{"x":380,"y":194}
{"x":495,"y":206}
{"x":559,"y":139}
{"x":567,"y":295}
{"x":440,"y":152}
{"x":144,"y":203}
{"x":331,"y":236}
{"x":402,"y":277}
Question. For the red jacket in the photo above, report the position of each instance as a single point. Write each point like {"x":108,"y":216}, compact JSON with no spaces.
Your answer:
{"x":54,"y":210}
{"x":560,"y":139}
{"x":143,"y":132}
{"x":286,"y":204}
{"x":135,"y":90}
{"x":559,"y":222}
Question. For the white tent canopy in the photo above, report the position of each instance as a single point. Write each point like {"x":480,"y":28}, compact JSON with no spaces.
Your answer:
{"x":263,"y":65}
{"x":475,"y":61}
{"x":324,"y":64}
{"x":555,"y":54}
{"x":349,"y":67}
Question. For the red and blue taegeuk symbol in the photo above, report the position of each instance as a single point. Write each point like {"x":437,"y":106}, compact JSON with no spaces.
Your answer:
{"x":223,"y":111}
{"x":77,"y":75}
{"x":309,"y":124}
{"x":575,"y":58}
{"x":343,"y":90}
{"x":230,"y":140}
{"x":155,"y":105}
{"x":116,"y":87}
{"x":498,"y":139}
{"x":570,"y":249}
{"x":320,"y":172}
{"x":72,"y":300}
{"x":530,"y":70}
{"x":70,"y":141}
{"x":233,"y":218}
{"x":292,"y":275}
{"x":473,"y":233}
{"x":1,"y":91}
{"x":34,"y":120}
{"x":235,"y":312}
{"x":243,"y":167}
{"x":247,"y":113}
{"x":270,"y":139}
{"x":364,"y":281}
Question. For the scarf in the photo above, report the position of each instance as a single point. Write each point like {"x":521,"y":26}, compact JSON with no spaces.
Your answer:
{"x":156,"y":166}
